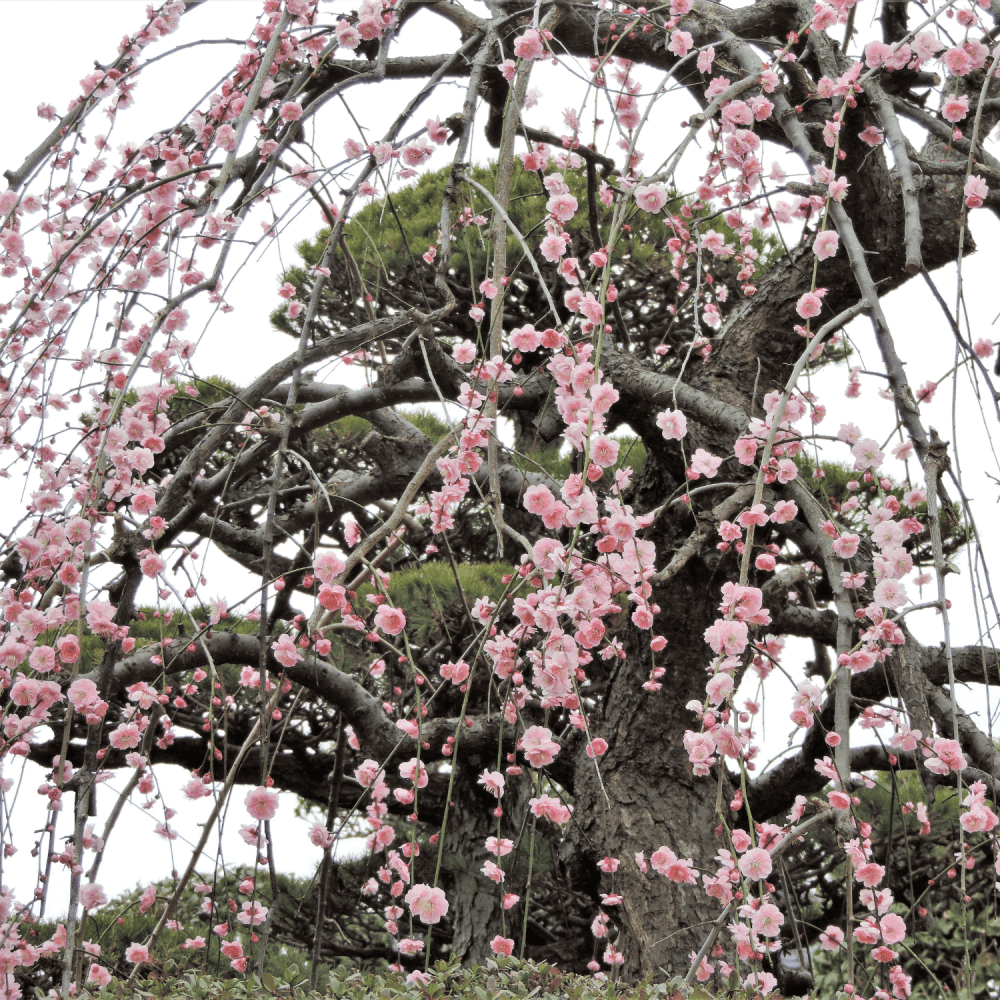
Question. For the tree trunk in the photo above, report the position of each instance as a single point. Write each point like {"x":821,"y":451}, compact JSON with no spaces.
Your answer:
{"x":652,"y":798}
{"x":476,"y":913}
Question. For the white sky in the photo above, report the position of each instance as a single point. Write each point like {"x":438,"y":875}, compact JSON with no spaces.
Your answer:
{"x":241,"y":343}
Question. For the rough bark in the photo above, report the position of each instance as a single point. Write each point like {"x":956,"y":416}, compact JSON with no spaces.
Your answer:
{"x":475,"y":911}
{"x":652,"y":797}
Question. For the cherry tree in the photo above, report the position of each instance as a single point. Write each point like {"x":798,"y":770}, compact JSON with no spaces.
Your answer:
{"x":538,"y":498}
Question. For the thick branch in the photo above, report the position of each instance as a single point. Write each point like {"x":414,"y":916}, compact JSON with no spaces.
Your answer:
{"x":377,"y":733}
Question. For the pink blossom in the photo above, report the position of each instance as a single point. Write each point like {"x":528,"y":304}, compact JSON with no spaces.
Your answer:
{"x":669,"y":865}
{"x":502,"y":946}
{"x":415,"y":153}
{"x":884,"y":954}
{"x":136,"y":953}
{"x":893,"y":928}
{"x":832,"y":938}
{"x":562,"y":207}
{"x":415,"y":771}
{"x":538,"y":500}
{"x":538,"y":746}
{"x":454,"y":672}
{"x":319,"y":836}
{"x":756,"y":515}
{"x":839,"y":799}
{"x":958,"y":60}
{"x":327,"y":566}
{"x":152,"y":565}
{"x":672,"y":423}
{"x":746,"y":450}
{"x":868,"y":932}
{"x":604,"y":451}
{"x":550,"y":808}
{"x":225,"y":137}
{"x":391,"y":620}
{"x":464,"y":352}
{"x":716,"y":244}
{"x":437,"y":132}
{"x":82,"y":694}
{"x":825,"y":244}
{"x":867,"y":454}
{"x":890,"y":594}
{"x":824,"y":17}
{"x":719,"y":688}
{"x":603,"y":397}
{"x":846,"y":545}
{"x":955,"y":109}
{"x":525,"y":338}
{"x":348,"y":36}
{"x":650,"y":197}
{"x":499,"y":847}
{"x":493,"y":782}
{"x":870,"y":874}
{"x":975,"y":194}
{"x":126,"y":736}
{"x":261,"y":802}
{"x":872,"y":136}
{"x":784,"y":511}
{"x":756,"y":864}
{"x":285,"y":651}
{"x":877,"y":53}
{"x":430,"y":905}
{"x":252,"y":914}
{"x":947,"y":757}
{"x":92,"y":896}
{"x":735,"y":114}
{"x":767,"y":920}
{"x":726,"y":637}
{"x":493,"y":871}
{"x":529,"y":45}
{"x":704,"y":463}
{"x":553,"y":248}
{"x":98,"y":975}
{"x":809,"y":305}
{"x":680,"y":42}
{"x":760,"y":982}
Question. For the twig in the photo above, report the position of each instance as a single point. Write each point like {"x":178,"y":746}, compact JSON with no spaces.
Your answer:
{"x":524,"y":244}
{"x":912,"y":231}
{"x":692,"y":545}
{"x":821,"y":334}
{"x":168,"y":910}
{"x":720,"y":921}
